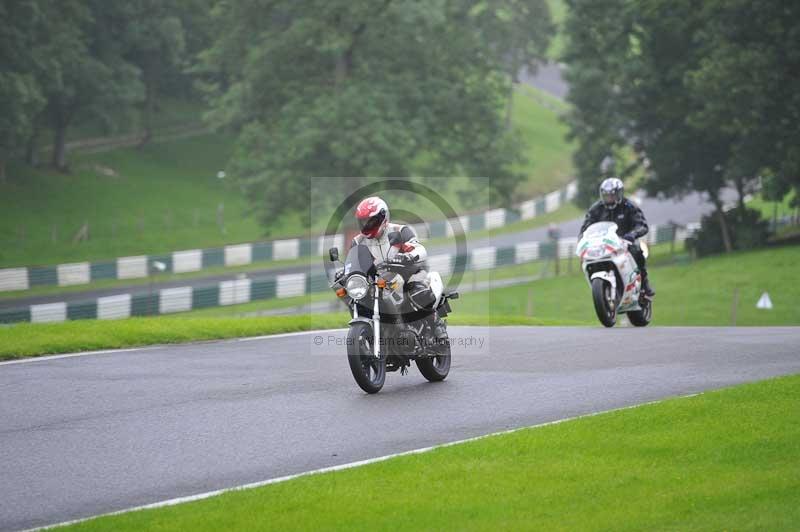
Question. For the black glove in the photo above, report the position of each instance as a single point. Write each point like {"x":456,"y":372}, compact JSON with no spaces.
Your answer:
{"x":630,"y":237}
{"x":401,"y":258}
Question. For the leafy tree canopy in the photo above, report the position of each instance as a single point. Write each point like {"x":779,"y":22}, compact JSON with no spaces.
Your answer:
{"x":344,"y":88}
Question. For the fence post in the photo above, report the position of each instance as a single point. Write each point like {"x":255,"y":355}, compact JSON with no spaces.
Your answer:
{"x":529,"y":309}
{"x":571,"y":252}
{"x":734,"y":306}
{"x":221,"y":217}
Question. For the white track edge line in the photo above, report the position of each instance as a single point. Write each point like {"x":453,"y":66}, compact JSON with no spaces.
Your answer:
{"x":29,"y":360}
{"x":351,"y":465}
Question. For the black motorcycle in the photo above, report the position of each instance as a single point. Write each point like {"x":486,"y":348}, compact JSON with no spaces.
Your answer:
{"x":387,"y":331}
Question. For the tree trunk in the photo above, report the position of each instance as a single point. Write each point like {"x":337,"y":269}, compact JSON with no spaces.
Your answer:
{"x":509,"y":106}
{"x":774,"y":215}
{"x":740,"y":190}
{"x":59,"y":160}
{"x":32,"y":147}
{"x":723,"y":224}
{"x":149,"y":111}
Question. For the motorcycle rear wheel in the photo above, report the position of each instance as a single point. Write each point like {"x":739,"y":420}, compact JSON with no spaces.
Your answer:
{"x":369,"y":372}
{"x":436,"y":366}
{"x":641,"y":318}
{"x":604,"y":302}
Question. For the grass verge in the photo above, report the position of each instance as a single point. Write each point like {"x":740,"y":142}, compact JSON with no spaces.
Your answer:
{"x":721,"y":290}
{"x":709,"y":462}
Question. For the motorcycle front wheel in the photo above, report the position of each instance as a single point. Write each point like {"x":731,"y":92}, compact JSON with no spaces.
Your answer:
{"x":368,"y":371}
{"x":604,"y":302}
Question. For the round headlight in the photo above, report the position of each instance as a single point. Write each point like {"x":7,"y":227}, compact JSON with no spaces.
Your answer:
{"x":357,"y":286}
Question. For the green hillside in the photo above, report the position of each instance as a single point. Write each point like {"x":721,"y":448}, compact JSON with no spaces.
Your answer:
{"x":166,"y":196}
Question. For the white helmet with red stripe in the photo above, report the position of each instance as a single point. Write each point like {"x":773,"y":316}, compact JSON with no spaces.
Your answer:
{"x":372,"y":215}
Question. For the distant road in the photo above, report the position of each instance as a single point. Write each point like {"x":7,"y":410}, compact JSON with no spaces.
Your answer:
{"x":547,"y":78}
{"x":91,"y":434}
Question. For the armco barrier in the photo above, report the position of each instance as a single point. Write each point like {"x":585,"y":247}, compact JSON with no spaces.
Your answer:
{"x":193,"y":260}
{"x":237,"y":291}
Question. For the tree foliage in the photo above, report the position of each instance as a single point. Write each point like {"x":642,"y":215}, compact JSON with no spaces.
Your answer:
{"x":708,"y":90}
{"x":344,"y":88}
{"x":70,"y":60}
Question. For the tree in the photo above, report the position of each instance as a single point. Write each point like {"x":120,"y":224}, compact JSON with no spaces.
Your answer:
{"x":20,"y":94}
{"x":84,"y":70}
{"x":518,"y":32}
{"x":597,"y":45}
{"x":155,"y":43}
{"x":751,"y":85}
{"x":357,"y":88}
{"x":692,"y":84}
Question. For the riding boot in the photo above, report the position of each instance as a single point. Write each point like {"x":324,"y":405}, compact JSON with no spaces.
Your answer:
{"x":646,"y":288}
{"x":438,"y":326}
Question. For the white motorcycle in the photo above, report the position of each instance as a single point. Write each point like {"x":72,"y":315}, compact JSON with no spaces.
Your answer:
{"x":613,"y":275}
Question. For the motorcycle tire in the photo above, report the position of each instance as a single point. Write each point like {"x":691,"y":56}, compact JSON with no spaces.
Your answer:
{"x":369,"y":372}
{"x":436,"y":366}
{"x":641,"y":318}
{"x":606,"y":313}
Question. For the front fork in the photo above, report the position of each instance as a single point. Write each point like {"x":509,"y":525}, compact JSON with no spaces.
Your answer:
{"x":376,"y":323}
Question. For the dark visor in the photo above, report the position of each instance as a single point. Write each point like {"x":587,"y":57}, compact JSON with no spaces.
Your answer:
{"x":369,"y":225}
{"x":609,"y":197}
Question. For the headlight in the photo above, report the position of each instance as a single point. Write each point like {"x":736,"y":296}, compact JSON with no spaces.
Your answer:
{"x":357,"y":286}
{"x":596,"y":251}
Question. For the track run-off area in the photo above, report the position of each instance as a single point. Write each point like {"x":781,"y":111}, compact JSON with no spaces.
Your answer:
{"x":97,"y":433}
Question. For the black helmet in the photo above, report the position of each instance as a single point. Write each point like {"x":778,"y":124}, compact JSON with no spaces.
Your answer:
{"x":611,"y":192}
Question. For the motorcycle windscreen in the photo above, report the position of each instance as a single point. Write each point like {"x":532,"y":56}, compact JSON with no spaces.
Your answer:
{"x":359,"y":260}
{"x":600,"y":229}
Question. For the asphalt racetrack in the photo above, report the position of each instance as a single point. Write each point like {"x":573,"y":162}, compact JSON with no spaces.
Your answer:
{"x":85,"y":435}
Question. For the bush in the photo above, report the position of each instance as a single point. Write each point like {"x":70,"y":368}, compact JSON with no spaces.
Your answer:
{"x":747,"y":230}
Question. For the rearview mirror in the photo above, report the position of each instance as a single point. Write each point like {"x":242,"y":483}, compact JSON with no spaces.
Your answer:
{"x":333,"y":253}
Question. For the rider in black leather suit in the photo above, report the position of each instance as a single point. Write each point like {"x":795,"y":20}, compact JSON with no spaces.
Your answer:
{"x":631,"y":223}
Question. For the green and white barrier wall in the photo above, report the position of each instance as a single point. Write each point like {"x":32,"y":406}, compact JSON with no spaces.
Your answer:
{"x":193,"y":260}
{"x":232,"y":292}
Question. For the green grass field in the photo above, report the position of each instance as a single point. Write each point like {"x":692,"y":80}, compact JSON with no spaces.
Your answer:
{"x":537,"y":117}
{"x":165,"y":197}
{"x":558,"y":12}
{"x":696,"y":293}
{"x":689,"y":293}
{"x":723,"y":460}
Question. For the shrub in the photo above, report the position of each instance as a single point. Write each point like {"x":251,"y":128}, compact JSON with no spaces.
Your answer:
{"x":747,"y":230}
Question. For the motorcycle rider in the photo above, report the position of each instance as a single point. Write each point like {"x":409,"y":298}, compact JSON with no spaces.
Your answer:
{"x":372,"y":215}
{"x":631,"y":223}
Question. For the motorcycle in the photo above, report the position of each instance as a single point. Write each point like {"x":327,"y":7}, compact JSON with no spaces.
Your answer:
{"x":387,"y":331}
{"x":613,"y":275}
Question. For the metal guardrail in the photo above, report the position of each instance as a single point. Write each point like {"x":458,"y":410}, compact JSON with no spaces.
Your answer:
{"x":245,"y":290}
